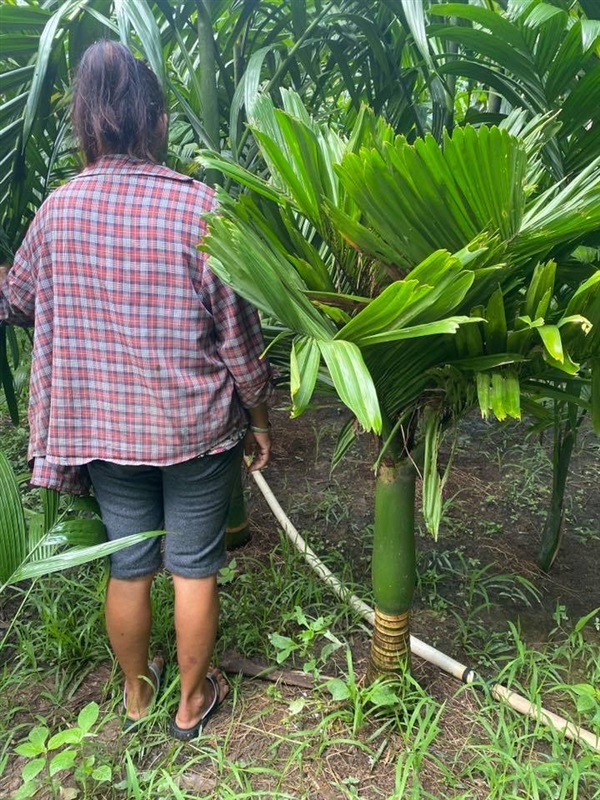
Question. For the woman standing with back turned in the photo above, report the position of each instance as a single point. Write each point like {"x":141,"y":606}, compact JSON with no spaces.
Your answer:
{"x":146,"y":372}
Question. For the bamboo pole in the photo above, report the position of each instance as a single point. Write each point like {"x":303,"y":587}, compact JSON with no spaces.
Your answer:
{"x":421,"y":649}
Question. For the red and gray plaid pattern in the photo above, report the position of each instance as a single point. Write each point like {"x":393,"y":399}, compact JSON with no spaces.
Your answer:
{"x":141,"y":355}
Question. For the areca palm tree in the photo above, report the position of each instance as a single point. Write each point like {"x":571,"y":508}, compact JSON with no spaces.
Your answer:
{"x":414,"y":280}
{"x":570,"y":398}
{"x":539,"y":57}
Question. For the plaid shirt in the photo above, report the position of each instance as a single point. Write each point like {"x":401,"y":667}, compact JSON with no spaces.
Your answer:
{"x":141,"y":355}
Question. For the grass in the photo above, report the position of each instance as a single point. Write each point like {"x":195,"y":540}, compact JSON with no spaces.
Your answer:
{"x":343,"y":739}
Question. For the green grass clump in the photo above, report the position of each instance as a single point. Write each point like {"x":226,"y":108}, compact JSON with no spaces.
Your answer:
{"x":390,"y":740}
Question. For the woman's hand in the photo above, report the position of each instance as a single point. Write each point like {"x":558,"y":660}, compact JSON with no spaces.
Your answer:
{"x":257,"y":449}
{"x":3,"y":272}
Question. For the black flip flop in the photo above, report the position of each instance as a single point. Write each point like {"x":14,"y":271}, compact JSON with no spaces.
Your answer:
{"x":187,"y":734}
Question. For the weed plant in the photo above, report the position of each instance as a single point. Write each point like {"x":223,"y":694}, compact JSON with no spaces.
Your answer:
{"x":284,"y":584}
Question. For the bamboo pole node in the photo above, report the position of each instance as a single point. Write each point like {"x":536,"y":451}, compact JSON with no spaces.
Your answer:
{"x":390,"y":645}
{"x":237,"y":528}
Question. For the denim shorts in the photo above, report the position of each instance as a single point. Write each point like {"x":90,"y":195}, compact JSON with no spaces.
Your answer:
{"x":190,"y":501}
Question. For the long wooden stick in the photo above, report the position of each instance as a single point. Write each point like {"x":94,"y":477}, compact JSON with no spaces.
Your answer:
{"x":235,"y":663}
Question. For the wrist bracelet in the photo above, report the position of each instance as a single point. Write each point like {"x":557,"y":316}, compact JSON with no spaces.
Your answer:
{"x":258,"y":429}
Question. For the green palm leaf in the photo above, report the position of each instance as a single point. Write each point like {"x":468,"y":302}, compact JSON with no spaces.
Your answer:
{"x":25,"y":555}
{"x":353,"y":382}
{"x":79,"y":532}
{"x":137,"y":13}
{"x":562,"y":214}
{"x":76,"y":556}
{"x":305,"y":358}
{"x":442,"y":326}
{"x":421,"y":198}
{"x":13,"y":530}
{"x":46,"y":47}
{"x":263,"y":276}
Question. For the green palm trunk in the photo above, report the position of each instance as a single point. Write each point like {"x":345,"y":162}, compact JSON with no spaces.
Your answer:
{"x":564,"y":441}
{"x":238,"y":530}
{"x":208,"y":80}
{"x":393,"y":567}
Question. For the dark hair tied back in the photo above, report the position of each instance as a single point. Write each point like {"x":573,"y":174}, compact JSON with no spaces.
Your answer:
{"x":118,"y":104}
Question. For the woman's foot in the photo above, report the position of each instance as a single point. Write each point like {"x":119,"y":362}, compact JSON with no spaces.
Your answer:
{"x":192,"y":716}
{"x":139,"y":694}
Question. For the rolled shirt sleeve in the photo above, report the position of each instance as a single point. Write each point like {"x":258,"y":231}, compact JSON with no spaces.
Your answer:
{"x":239,"y":341}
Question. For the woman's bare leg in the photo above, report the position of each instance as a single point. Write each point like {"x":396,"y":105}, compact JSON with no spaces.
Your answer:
{"x":196,"y":621}
{"x":128,"y":622}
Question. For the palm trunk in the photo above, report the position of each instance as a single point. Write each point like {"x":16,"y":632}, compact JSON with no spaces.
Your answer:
{"x":238,"y":530}
{"x":564,"y":440}
{"x":494,"y":103}
{"x":6,"y":378}
{"x":393,"y":568}
{"x":208,"y":81}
